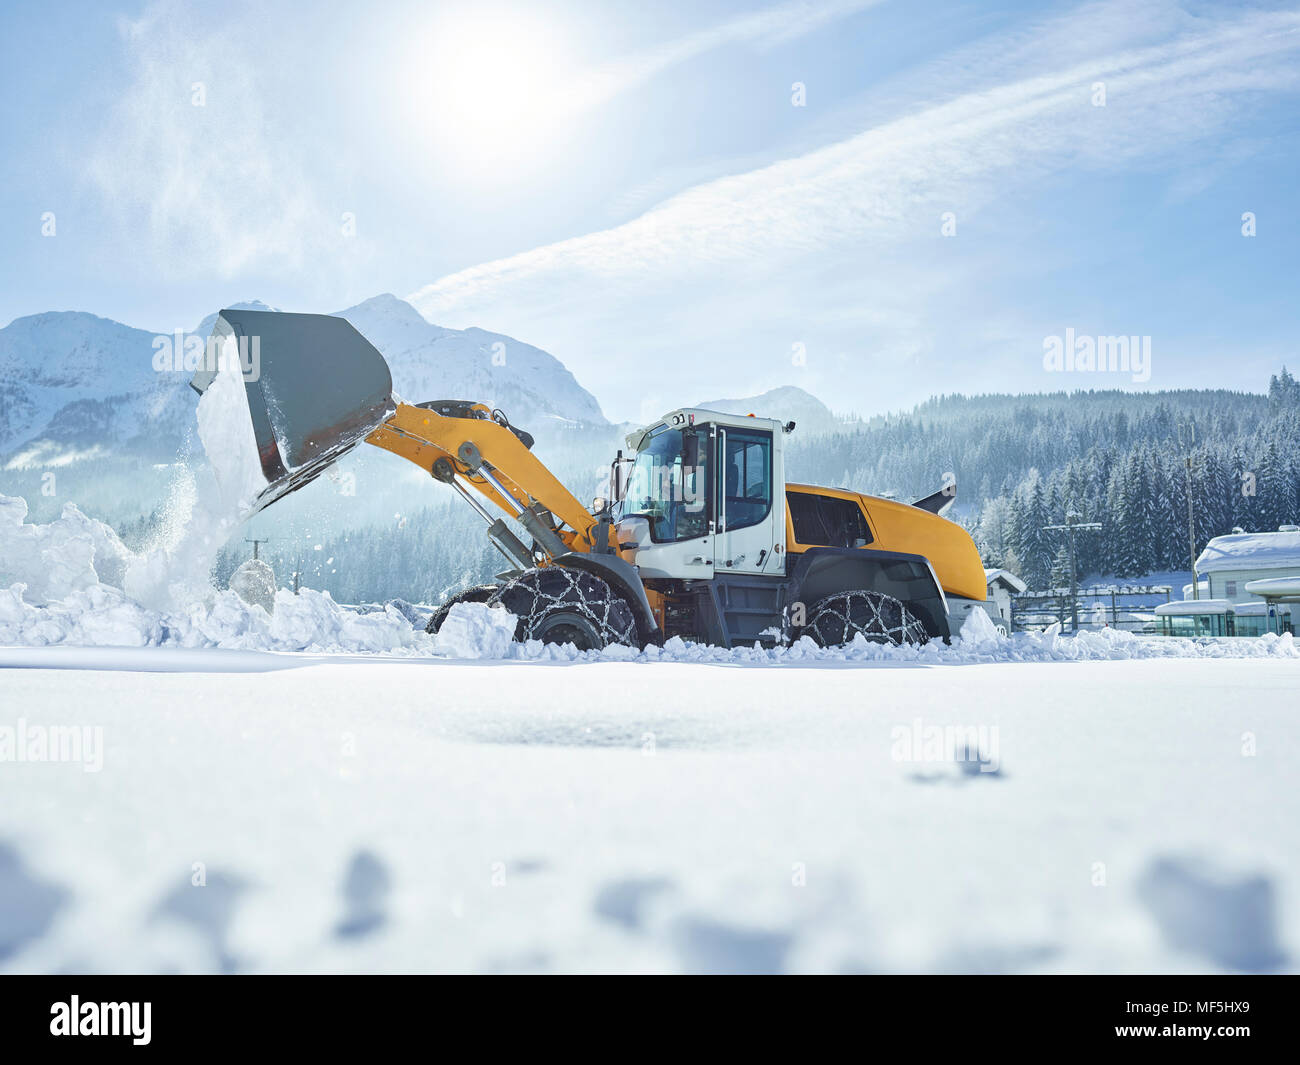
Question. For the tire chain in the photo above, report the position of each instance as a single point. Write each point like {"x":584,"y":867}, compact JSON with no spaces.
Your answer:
{"x":536,"y":593}
{"x":878,"y":615}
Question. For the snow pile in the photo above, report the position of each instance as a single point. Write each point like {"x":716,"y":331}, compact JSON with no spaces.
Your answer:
{"x":61,"y":583}
{"x":475,"y":630}
{"x":978,"y":633}
{"x":254,"y":583}
{"x":73,"y":581}
{"x":71,"y":554}
{"x":971,"y":647}
{"x":104,"y":616}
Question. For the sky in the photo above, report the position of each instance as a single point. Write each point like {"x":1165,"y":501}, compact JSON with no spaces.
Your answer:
{"x":875,"y":200}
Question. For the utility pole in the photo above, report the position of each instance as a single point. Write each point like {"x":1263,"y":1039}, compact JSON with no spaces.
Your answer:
{"x":1071,"y":524}
{"x":255,"y":544}
{"x":1191,"y":521}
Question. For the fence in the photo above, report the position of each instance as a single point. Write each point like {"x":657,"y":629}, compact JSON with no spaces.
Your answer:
{"x":1127,"y":607}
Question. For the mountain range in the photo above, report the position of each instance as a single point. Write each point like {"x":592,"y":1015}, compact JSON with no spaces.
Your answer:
{"x":76,"y":386}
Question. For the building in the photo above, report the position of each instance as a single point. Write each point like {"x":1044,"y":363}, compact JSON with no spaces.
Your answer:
{"x":1001,"y":585}
{"x":1249,"y":583}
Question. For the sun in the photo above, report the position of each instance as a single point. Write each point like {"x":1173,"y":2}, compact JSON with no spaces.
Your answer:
{"x":488,"y":84}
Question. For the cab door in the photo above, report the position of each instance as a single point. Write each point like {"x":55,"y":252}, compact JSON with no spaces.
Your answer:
{"x":750,"y":506}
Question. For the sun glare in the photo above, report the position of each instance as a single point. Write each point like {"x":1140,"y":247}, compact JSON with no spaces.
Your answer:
{"x":488,"y":86}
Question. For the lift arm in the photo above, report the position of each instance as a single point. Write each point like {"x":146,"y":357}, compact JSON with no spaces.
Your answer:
{"x":482,"y":454}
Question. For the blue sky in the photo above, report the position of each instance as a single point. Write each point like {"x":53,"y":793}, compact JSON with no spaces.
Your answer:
{"x":633,"y":188}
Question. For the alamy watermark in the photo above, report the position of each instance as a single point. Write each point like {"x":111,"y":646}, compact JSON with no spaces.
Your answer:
{"x":188,"y":353}
{"x":1082,"y":353}
{"x":974,"y":747}
{"x":53,"y":743}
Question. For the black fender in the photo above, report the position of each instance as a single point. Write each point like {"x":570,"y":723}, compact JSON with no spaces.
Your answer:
{"x":822,"y":571}
{"x":625,"y":579}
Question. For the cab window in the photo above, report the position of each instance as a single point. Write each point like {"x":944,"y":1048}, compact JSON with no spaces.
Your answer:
{"x":747,"y":473}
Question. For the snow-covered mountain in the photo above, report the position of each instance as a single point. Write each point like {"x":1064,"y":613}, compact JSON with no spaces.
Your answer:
{"x":73,"y":385}
{"x":431,"y":362}
{"x":789,"y":403}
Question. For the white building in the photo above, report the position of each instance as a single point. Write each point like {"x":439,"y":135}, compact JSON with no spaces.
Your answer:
{"x":1001,"y":586}
{"x":1243,"y":581}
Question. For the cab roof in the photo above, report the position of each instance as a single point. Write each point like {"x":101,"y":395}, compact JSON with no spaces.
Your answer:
{"x":684,"y":416}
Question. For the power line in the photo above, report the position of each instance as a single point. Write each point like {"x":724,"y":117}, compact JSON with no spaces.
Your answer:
{"x":1070,"y":527}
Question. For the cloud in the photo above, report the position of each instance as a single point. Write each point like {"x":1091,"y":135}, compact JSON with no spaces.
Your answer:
{"x":198,"y":180}
{"x":762,"y":247}
{"x":761,"y":30}
{"x":186,"y":164}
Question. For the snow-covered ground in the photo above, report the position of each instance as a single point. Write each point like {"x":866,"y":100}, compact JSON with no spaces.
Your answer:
{"x":188,"y":782}
{"x":423,"y":814}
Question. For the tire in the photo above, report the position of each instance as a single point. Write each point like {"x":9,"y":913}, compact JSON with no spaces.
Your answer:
{"x":835,"y":620}
{"x":559,"y":605}
{"x":478,"y":594}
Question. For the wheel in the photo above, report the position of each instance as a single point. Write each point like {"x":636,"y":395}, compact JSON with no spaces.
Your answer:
{"x":836,"y":619}
{"x":479,"y":594}
{"x":561,"y":605}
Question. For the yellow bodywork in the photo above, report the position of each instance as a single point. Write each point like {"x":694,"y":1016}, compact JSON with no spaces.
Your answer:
{"x":424,"y":436}
{"x":901,"y":527}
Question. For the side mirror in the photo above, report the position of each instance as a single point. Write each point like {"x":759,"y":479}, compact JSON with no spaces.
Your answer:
{"x":691,"y":449}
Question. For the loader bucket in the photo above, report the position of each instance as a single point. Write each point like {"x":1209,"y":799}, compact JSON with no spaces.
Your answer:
{"x":315,"y":387}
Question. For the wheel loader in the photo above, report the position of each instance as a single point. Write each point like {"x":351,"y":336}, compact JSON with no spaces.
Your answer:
{"x":699,"y":536}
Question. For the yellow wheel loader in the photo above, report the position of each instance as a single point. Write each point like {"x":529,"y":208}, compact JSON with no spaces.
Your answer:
{"x":699,"y":536}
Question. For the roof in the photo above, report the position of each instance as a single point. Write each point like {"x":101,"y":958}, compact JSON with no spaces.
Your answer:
{"x":1007,"y":577}
{"x":1259,"y":609}
{"x":1270,"y":550}
{"x":1276,"y":587}
{"x":1195,"y":606}
{"x":1215,"y":606}
{"x":684,"y":416}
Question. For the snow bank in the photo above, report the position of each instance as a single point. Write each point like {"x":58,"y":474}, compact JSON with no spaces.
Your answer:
{"x":71,"y":554}
{"x":62,"y":583}
{"x":972,"y":646}
{"x":475,"y":630}
{"x":104,"y":616}
{"x":73,"y":582}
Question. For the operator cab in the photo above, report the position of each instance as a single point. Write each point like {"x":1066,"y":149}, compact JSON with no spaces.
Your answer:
{"x":704,"y":493}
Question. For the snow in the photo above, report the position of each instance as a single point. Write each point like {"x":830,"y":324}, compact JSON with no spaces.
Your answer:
{"x":59,"y":558}
{"x":1280,"y":587}
{"x":1241,"y":551}
{"x":318,"y":789}
{"x":1015,"y":583}
{"x":254,"y":582}
{"x":69,"y":582}
{"x":475,"y":630}
{"x":978,"y":634}
{"x":1194,"y":606}
{"x":226,"y":431}
{"x":56,"y":587}
{"x":439,"y":815}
